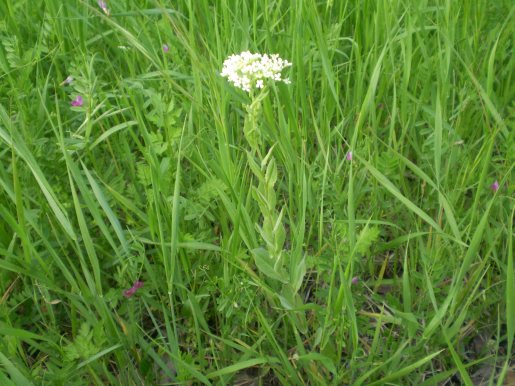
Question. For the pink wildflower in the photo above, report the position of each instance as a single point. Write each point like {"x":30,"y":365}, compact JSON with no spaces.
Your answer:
{"x":348,"y":156}
{"x":495,"y":186}
{"x":355,"y":280}
{"x":166,"y":48}
{"x":78,"y":101}
{"x":131,"y":291}
{"x":103,"y":6}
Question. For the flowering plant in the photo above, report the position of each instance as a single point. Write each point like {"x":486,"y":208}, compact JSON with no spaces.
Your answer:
{"x":131,"y":291}
{"x":284,"y":269}
{"x":248,"y":71}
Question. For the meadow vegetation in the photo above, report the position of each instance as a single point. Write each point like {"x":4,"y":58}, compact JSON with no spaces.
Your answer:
{"x":350,"y":226}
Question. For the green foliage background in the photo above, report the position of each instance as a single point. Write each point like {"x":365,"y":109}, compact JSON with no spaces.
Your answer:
{"x":152,"y":179}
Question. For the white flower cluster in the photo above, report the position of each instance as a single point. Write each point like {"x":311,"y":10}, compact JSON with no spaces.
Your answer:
{"x":248,"y":71}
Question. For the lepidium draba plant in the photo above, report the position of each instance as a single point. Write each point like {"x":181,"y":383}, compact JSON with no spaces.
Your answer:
{"x":254,"y":73}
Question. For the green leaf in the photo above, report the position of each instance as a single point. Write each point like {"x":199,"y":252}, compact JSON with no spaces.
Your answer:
{"x":383,"y":180}
{"x":241,"y":365}
{"x":23,"y":152}
{"x":16,"y":375}
{"x":366,"y":238}
{"x":406,"y":370}
{"x":266,"y":265}
{"x":298,"y":271}
{"x":324,"y":360}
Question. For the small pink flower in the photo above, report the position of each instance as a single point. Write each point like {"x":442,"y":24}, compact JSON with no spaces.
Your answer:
{"x":355,"y":280}
{"x":166,"y":48}
{"x":138,"y":284}
{"x":103,"y":6}
{"x":131,"y":291}
{"x":495,"y":186}
{"x":78,"y":101}
{"x":348,"y":156}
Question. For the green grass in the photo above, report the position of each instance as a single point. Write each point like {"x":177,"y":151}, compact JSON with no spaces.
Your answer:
{"x":247,"y":253}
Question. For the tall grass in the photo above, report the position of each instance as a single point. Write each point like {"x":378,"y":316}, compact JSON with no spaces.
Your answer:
{"x":396,"y":266}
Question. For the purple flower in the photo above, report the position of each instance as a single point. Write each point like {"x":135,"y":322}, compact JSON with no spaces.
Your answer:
{"x":348,"y":156}
{"x":355,"y":280}
{"x":78,"y":101}
{"x":103,"y":6}
{"x":166,"y":48}
{"x":495,"y":186}
{"x":131,"y":291}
